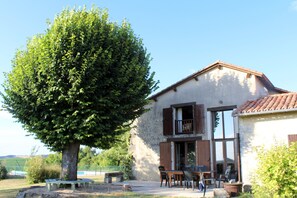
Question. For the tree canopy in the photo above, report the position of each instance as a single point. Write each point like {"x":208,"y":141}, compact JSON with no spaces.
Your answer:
{"x":81,"y":81}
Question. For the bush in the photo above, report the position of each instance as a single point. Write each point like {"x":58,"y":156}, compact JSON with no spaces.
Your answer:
{"x":38,"y":171}
{"x":52,"y":172}
{"x":276,"y":175}
{"x":127,"y":167}
{"x":3,"y":172}
{"x":55,"y":158}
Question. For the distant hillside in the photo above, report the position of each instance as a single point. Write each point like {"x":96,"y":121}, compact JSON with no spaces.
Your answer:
{"x":14,"y":156}
{"x":15,"y":162}
{"x":17,"y":156}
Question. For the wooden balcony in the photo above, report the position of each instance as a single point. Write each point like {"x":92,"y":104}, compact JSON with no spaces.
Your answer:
{"x":184,"y":126}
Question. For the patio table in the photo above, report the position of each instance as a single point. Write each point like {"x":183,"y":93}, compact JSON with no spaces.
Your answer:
{"x":201,"y":174}
{"x":178,"y":174}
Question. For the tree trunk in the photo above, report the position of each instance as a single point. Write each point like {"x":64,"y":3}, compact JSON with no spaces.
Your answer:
{"x":69,"y":161}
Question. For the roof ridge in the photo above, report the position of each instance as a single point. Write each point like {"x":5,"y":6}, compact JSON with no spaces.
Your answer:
{"x":244,"y":68}
{"x":261,"y":76}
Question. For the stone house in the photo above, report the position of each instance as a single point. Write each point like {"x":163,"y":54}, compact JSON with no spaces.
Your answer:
{"x":268,"y":121}
{"x":207,"y":119}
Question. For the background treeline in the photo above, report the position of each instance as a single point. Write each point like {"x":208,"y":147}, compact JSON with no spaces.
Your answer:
{"x":39,"y":168}
{"x":92,"y":159}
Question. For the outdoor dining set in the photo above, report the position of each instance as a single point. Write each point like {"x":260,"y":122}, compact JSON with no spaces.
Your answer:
{"x":193,"y":176}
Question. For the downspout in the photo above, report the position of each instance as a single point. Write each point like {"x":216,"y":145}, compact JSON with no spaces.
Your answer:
{"x":236,"y":126}
{"x":239,"y":158}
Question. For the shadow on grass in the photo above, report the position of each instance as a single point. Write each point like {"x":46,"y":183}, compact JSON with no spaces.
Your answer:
{"x":12,"y":185}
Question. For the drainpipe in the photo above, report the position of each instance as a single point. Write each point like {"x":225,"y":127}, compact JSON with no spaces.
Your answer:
{"x":236,"y":126}
{"x":239,"y":158}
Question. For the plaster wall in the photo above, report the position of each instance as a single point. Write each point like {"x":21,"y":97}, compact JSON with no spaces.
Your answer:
{"x":215,"y":88}
{"x":264,"y":130}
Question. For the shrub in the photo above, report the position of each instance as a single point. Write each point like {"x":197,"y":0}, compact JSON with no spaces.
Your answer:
{"x":52,"y":171}
{"x":3,"y":172}
{"x":55,"y":158}
{"x":276,"y":175}
{"x":127,"y":167}
{"x":38,"y":171}
{"x":34,"y":168}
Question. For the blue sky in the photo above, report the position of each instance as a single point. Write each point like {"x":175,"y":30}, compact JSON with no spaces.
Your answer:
{"x":181,"y":36}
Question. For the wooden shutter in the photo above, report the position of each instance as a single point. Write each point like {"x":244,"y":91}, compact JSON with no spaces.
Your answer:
{"x":199,"y":119}
{"x":165,"y":155}
{"x":292,"y":138}
{"x":203,"y":153}
{"x":167,"y":121}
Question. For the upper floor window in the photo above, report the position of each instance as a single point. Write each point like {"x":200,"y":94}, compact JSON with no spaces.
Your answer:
{"x":223,"y":125}
{"x":183,"y":119}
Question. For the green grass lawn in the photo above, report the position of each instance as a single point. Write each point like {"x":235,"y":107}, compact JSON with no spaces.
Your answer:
{"x":11,"y":186}
{"x":14,"y":163}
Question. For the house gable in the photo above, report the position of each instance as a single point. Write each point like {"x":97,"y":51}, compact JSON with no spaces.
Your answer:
{"x":219,"y":65}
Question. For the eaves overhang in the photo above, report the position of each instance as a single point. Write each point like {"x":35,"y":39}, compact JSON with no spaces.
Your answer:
{"x":218,"y":64}
{"x":265,"y":112}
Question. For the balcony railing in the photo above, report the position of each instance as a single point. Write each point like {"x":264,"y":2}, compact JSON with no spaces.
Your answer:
{"x":183,"y":126}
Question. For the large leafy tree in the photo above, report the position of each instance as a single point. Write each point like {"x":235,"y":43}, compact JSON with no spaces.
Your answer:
{"x":79,"y":83}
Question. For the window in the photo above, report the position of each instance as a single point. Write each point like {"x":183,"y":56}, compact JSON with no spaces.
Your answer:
{"x":292,"y":138}
{"x":224,"y":141}
{"x":223,"y":124}
{"x":183,"y":119}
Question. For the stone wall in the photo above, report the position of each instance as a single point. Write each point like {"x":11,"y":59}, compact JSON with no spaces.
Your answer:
{"x":215,"y":88}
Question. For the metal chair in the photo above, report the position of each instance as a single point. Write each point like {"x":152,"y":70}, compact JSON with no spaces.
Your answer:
{"x":163,"y":176}
{"x":200,"y":168}
{"x":188,"y":179}
{"x":225,"y":177}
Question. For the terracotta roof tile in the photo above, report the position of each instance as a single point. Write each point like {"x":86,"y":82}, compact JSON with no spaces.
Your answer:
{"x":276,"y":102}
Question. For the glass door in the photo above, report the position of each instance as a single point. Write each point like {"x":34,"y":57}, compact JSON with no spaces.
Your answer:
{"x":185,"y":155}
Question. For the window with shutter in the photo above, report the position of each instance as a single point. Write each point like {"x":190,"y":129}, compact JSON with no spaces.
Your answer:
{"x":165,"y":155}
{"x":184,"y":119}
{"x":203,"y":153}
{"x":199,"y":119}
{"x":292,"y":138}
{"x":188,"y":119}
{"x":167,"y":121}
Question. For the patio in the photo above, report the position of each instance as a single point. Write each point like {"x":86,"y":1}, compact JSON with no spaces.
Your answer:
{"x":153,"y":188}
{"x":139,"y":187}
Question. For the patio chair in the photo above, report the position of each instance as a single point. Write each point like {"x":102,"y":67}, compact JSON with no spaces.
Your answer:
{"x":205,"y":181}
{"x":189,"y":167}
{"x":228,"y":176}
{"x":163,"y":176}
{"x":203,"y":185}
{"x":200,"y":168}
{"x":189,"y":178}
